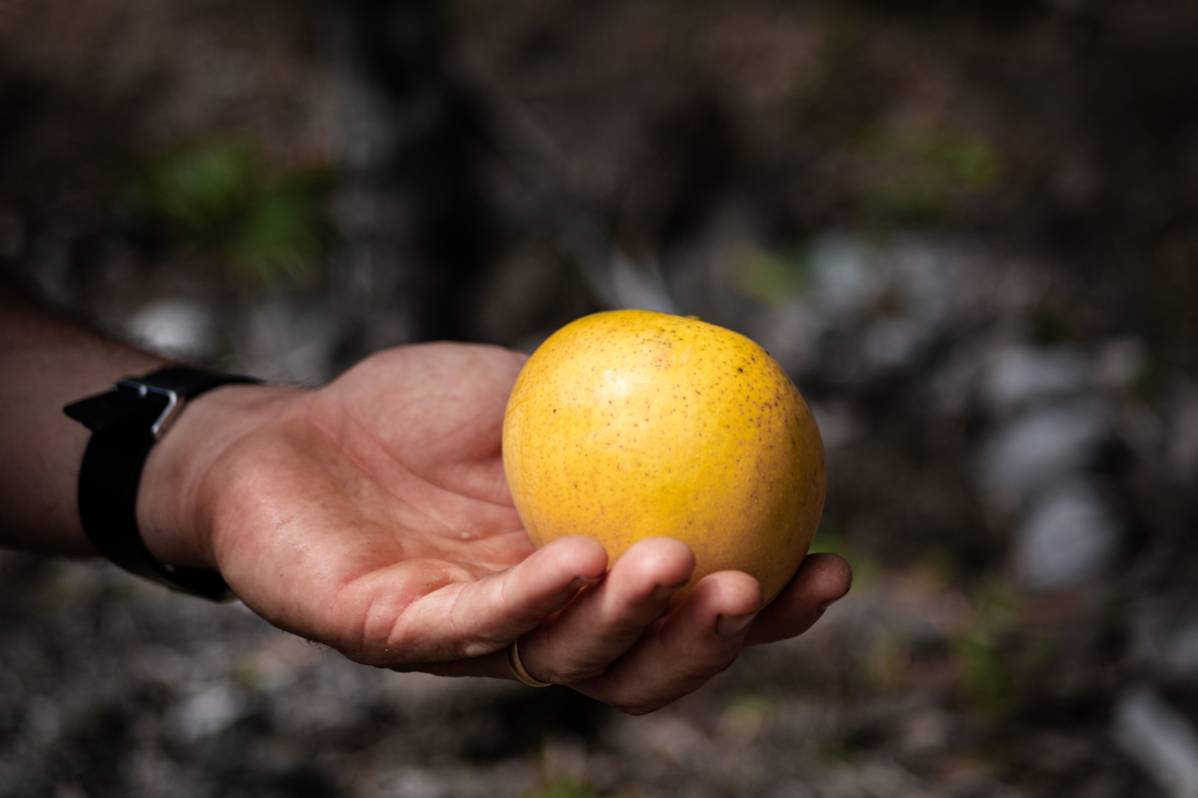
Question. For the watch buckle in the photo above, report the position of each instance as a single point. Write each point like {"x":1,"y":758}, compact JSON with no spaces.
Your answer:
{"x":174,"y":403}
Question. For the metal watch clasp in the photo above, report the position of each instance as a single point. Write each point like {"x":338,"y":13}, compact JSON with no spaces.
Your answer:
{"x":174,"y":404}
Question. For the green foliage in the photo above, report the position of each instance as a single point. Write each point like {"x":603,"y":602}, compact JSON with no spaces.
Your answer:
{"x":919,"y":176}
{"x":220,"y":200}
{"x":866,"y":569}
{"x":197,"y":192}
{"x":1049,"y":324}
{"x":887,"y":659}
{"x":828,"y":538}
{"x":284,"y":234}
{"x":772,"y":275}
{"x":563,"y":788}
{"x":937,"y":565}
{"x":1149,"y":383}
{"x":745,"y":715}
{"x":995,"y":660}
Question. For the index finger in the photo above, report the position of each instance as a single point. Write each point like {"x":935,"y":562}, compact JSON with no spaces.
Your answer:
{"x":464,"y":619}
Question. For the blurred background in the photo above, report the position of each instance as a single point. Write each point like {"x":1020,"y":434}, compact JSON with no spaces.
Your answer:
{"x":969,"y":230}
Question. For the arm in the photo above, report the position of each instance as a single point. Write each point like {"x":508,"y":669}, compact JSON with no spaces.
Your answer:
{"x":372,"y":515}
{"x":47,"y":362}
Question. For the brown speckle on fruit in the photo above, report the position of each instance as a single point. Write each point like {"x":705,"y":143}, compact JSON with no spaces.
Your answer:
{"x":655,"y":443}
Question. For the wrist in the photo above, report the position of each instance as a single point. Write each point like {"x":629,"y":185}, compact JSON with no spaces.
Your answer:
{"x":170,"y":512}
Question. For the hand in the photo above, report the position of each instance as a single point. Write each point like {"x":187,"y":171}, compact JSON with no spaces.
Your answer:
{"x":372,"y":515}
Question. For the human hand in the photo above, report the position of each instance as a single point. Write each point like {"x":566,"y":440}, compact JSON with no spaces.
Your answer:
{"x":372,"y":515}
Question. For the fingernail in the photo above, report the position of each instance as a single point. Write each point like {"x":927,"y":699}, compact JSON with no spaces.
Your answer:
{"x":663,"y":592}
{"x":732,"y":625}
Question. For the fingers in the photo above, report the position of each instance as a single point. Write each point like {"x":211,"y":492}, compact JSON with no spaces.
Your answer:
{"x":608,"y":619}
{"x":698,"y":640}
{"x":820,"y":580}
{"x":619,"y":641}
{"x":471,"y":618}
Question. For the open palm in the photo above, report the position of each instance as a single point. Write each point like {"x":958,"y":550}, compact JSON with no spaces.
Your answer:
{"x":373,"y":515}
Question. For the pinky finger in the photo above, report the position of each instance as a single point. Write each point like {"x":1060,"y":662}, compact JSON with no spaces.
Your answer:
{"x":821,"y":580}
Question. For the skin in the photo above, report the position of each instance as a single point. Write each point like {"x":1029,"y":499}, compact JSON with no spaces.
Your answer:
{"x":630,"y":423}
{"x":372,"y":515}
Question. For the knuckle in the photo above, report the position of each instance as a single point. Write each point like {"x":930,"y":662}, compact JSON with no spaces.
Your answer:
{"x":573,"y":673}
{"x":584,"y":673}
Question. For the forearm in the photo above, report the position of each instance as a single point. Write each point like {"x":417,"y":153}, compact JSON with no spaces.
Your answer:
{"x":46,"y":362}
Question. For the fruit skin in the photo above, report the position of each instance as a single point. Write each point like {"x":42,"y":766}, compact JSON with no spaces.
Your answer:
{"x":630,"y":424}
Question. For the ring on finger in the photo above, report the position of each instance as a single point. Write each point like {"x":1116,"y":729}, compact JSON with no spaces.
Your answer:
{"x":519,"y":671}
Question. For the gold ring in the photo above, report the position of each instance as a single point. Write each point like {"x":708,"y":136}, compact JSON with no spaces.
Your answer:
{"x":519,"y":671}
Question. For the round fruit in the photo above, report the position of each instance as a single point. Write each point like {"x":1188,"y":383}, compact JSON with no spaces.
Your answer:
{"x":630,"y":424}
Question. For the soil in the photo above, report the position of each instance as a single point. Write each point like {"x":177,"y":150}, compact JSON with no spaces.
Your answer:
{"x":488,"y":172}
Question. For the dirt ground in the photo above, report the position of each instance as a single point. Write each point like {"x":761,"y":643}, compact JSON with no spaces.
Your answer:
{"x":968,"y":230}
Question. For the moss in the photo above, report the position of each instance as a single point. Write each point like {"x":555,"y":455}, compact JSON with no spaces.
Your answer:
{"x":920,"y":176}
{"x":745,"y":715}
{"x":563,"y":788}
{"x":772,"y":275}
{"x":1049,"y":324}
{"x":221,"y":200}
{"x":997,"y":660}
{"x":866,"y":569}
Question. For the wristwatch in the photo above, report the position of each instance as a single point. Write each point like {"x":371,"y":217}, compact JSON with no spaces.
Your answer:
{"x":126,"y":422}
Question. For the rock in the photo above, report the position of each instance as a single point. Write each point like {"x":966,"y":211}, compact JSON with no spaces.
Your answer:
{"x":952,"y":387}
{"x":291,"y":339}
{"x":1159,"y":739}
{"x":844,"y":280}
{"x":1021,"y":375}
{"x":868,"y":309}
{"x":892,"y":343}
{"x":1165,"y":637}
{"x":1183,"y":434}
{"x":672,"y":738}
{"x":1039,"y":447}
{"x":417,"y":783}
{"x":837,"y":423}
{"x":793,"y":788}
{"x":938,"y":282}
{"x":925,"y":730}
{"x":1069,"y":536}
{"x":1181,"y":652}
{"x":176,"y":328}
{"x":880,"y":776}
{"x":1120,"y":362}
{"x":790,"y":331}
{"x":208,"y":712}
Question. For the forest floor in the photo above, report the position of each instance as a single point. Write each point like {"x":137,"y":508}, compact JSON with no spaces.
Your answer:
{"x":969,"y":231}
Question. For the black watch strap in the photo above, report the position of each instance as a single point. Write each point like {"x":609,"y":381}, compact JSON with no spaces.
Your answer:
{"x":126,"y":422}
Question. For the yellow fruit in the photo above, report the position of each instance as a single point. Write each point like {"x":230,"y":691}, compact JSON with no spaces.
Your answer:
{"x":630,"y":424}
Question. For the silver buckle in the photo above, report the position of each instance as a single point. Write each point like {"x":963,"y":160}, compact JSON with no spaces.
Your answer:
{"x":174,"y":404}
